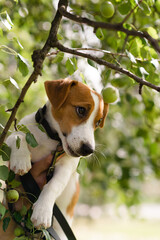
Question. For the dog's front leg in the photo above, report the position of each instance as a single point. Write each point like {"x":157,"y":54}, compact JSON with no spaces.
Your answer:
{"x":20,"y":159}
{"x":42,"y":209}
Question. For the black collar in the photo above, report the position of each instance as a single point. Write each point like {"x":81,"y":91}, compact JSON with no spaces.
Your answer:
{"x":40,"y":118}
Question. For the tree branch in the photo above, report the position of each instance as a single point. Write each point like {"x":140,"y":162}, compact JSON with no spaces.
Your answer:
{"x":110,"y":26}
{"x":38,"y":59}
{"x":107,"y":64}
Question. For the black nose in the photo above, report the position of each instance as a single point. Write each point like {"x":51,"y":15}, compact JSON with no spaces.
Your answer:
{"x":86,"y":149}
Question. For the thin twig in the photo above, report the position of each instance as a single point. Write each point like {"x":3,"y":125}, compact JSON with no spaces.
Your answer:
{"x":107,"y":64}
{"x":110,"y":26}
{"x":103,"y":51}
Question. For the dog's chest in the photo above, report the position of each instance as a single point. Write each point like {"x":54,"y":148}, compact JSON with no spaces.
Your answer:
{"x":45,"y":144}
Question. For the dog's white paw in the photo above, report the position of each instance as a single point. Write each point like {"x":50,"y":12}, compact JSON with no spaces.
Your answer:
{"x":20,"y":167}
{"x":41,"y":216}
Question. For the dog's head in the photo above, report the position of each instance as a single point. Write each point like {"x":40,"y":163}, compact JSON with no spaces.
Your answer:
{"x":78,"y":111}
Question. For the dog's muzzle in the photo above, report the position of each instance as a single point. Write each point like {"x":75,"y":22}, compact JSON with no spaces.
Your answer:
{"x":86,"y":149}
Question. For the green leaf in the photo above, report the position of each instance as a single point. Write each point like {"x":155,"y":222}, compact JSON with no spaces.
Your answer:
{"x":143,"y":71}
{"x":99,"y":34}
{"x":2,"y":211}
{"x":17,"y":216}
{"x":23,"y":128}
{"x":124,"y":8}
{"x":23,"y":65}
{"x":131,"y":57}
{"x":8,"y":18}
{"x":41,"y":128}
{"x":16,"y":39}
{"x":92,"y":63}
{"x":23,"y":211}
{"x":4,"y":172}
{"x":122,"y":82}
{"x":1,"y":32}
{"x":82,"y":166}
{"x":71,"y":65}
{"x":14,"y":82}
{"x":59,"y":37}
{"x":18,"y":142}
{"x":14,"y":183}
{"x":29,"y":224}
{"x":11,"y":176}
{"x":155,"y":63}
{"x":31,"y":140}
{"x":106,"y":77}
{"x":6,"y":223}
{"x":5,"y":152}
{"x":59,"y":57}
{"x":83,"y":78}
{"x":136,"y":46}
{"x":145,"y":8}
{"x":74,"y":60}
{"x":153,"y":32}
{"x":46,"y":234}
{"x":6,"y":23}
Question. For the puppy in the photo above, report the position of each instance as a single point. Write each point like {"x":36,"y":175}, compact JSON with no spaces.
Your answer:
{"x":73,"y":111}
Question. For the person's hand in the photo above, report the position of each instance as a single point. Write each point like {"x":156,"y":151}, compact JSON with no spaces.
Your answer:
{"x":39,"y":170}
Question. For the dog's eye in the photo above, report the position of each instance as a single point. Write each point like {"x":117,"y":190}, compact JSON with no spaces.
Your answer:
{"x":81,"y":111}
{"x":99,"y":122}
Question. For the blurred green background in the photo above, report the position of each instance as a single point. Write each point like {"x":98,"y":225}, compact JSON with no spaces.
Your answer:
{"x":126,"y":162}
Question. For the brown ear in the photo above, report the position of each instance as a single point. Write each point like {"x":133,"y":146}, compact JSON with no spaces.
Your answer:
{"x":105,"y":111}
{"x":57,"y":91}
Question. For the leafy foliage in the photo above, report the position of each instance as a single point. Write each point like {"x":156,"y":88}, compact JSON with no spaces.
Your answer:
{"x":128,"y":147}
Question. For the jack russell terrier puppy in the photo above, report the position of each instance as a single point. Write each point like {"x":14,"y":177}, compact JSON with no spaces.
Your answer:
{"x":73,"y":111}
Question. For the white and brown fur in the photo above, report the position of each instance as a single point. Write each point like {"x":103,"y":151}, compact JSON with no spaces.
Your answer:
{"x":76,"y":134}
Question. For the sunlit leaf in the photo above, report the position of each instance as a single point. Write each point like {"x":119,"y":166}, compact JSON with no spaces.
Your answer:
{"x":122,"y":82}
{"x":82,"y":166}
{"x":83,"y":78}
{"x":99,"y":34}
{"x":152,"y":31}
{"x":14,"y":82}
{"x":59,"y":57}
{"x":131,"y":57}
{"x":5,"y":23}
{"x":16,"y":39}
{"x":71,"y":65}
{"x":155,"y":63}
{"x":23,"y":65}
{"x":59,"y":37}
{"x":143,"y":72}
{"x":8,"y":18}
{"x":1,"y":32}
